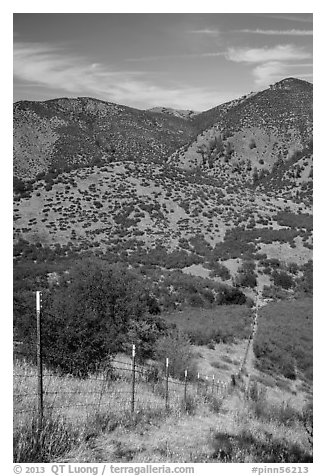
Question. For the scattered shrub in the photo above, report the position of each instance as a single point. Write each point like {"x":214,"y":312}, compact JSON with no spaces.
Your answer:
{"x":177,"y":348}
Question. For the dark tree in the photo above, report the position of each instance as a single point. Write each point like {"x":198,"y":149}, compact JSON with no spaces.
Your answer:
{"x":87,"y":318}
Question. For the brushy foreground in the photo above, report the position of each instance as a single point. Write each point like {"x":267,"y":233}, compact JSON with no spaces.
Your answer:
{"x":237,"y":425}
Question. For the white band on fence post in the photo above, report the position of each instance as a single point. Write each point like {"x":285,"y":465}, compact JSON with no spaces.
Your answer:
{"x":133,"y":350}
{"x":186,"y":373}
{"x":167,"y":362}
{"x":38,"y":301}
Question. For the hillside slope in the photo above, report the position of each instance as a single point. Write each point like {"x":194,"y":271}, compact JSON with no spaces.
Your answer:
{"x":254,"y":131}
{"x":103,"y":183}
{"x":64,"y":134}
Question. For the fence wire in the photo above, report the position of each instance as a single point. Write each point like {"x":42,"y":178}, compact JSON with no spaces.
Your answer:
{"x":124,"y":386}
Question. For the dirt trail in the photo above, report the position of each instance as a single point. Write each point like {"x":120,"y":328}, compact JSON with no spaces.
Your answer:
{"x":249,"y":364}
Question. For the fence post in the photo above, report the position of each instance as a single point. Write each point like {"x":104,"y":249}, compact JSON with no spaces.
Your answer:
{"x":39,"y":359}
{"x":213,"y":383}
{"x":167,"y":383}
{"x":185,"y":390}
{"x":198,"y":384}
{"x":133,"y":377}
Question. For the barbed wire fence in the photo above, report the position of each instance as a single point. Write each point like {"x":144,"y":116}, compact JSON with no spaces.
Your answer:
{"x":127,"y":385}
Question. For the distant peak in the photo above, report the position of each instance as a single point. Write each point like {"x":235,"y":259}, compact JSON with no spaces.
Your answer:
{"x":290,"y":83}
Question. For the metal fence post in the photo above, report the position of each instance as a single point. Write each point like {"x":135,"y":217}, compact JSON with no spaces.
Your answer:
{"x":185,"y":390}
{"x":133,"y":377}
{"x":198,"y":383}
{"x":39,"y":359}
{"x":167,"y":383}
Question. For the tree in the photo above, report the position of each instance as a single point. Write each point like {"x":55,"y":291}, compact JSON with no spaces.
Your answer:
{"x":87,"y":318}
{"x":246,"y":279}
{"x":252,"y":143}
{"x":281,"y":278}
{"x":202,"y":149}
{"x":229,"y":150}
{"x":255,"y":176}
{"x":176,"y":347}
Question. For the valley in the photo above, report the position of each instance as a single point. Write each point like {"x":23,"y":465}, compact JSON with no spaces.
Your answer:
{"x":164,"y":228}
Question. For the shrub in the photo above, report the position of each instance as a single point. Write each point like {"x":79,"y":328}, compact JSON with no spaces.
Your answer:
{"x":247,"y":279}
{"x":252,"y":143}
{"x":218,"y":269}
{"x":246,"y":446}
{"x":87,"y":319}
{"x":178,"y":350}
{"x":281,"y":278}
{"x":230,"y":295}
{"x":196,"y":300}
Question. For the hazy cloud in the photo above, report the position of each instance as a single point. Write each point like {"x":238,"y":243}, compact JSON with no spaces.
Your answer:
{"x":292,"y":32}
{"x":205,"y":31}
{"x":50,"y":67}
{"x":272,"y":63}
{"x":288,"y":17}
{"x":268,"y":72}
{"x":167,"y":57}
{"x":259,"y":55}
{"x":272,"y":71}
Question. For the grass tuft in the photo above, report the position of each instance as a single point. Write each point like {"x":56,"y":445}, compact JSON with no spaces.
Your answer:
{"x":35,"y":444}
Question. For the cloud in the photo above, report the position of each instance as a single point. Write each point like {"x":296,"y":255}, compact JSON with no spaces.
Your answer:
{"x":292,"y":32}
{"x":269,"y":72}
{"x":169,"y":57}
{"x":272,"y":71}
{"x":161,"y":57}
{"x":271,"y":64}
{"x":205,"y":31}
{"x":52,"y":68}
{"x":259,"y":55}
{"x":288,"y":17}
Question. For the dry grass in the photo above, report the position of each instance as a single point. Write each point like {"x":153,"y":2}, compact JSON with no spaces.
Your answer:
{"x":185,"y":433}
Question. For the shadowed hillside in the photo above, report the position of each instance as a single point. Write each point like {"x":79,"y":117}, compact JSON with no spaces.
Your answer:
{"x":64,"y":134}
{"x":249,"y":135}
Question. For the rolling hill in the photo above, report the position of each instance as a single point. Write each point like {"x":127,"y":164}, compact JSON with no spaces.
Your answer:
{"x":105,"y":178}
{"x":251,"y":133}
{"x":64,"y":134}
{"x":173,"y":225}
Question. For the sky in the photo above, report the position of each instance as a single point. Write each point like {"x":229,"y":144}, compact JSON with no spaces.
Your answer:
{"x":181,"y":60}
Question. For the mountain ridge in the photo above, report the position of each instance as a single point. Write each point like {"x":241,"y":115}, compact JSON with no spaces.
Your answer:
{"x":153,"y":209}
{"x":66,"y":133}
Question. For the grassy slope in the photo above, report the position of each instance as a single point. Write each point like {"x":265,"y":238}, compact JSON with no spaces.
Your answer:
{"x":284,"y":338}
{"x":224,"y":428}
{"x":223,"y":323}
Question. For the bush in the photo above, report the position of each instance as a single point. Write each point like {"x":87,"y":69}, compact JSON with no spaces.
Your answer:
{"x":252,"y":143}
{"x":230,"y":295}
{"x":282,"y":279}
{"x":247,"y":280}
{"x":246,"y":446}
{"x":218,"y":269}
{"x":178,"y":350}
{"x":88,"y":318}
